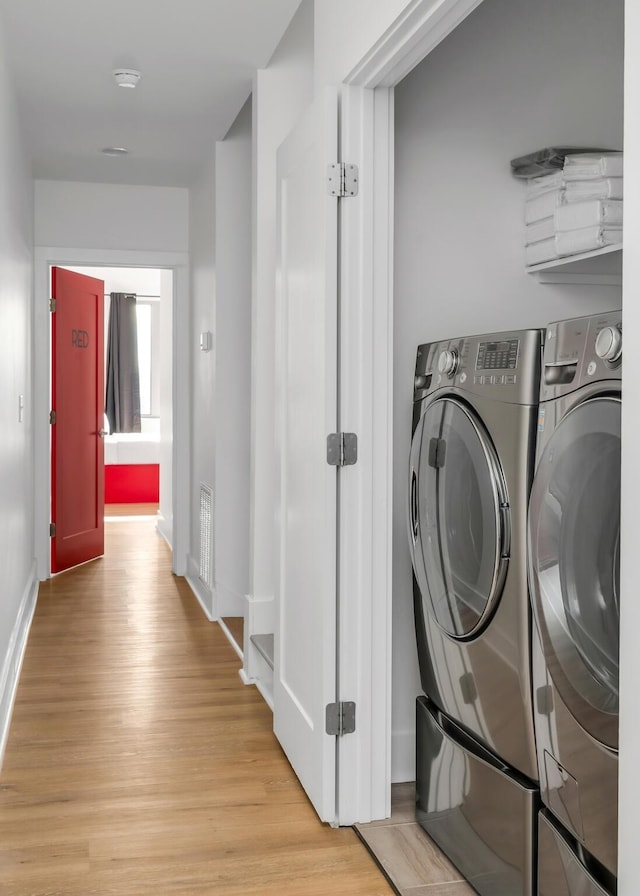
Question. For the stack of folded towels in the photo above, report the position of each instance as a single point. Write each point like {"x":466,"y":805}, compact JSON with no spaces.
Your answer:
{"x":575,"y":209}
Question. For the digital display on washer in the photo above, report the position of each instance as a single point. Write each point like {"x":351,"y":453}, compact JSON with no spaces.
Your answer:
{"x":498,"y":355}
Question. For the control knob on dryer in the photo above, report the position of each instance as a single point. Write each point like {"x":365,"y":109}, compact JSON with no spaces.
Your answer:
{"x":448,"y":362}
{"x":608,"y":344}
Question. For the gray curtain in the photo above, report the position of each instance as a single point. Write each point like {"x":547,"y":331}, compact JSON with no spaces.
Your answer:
{"x":122,"y":403}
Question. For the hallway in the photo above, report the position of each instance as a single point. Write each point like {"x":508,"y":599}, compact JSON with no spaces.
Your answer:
{"x":138,"y":763}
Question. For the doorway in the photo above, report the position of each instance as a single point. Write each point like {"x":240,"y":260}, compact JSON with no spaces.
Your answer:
{"x":136,"y":464}
{"x":172,"y":275}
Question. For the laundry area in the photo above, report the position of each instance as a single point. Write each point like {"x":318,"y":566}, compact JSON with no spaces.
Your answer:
{"x":507,"y":441}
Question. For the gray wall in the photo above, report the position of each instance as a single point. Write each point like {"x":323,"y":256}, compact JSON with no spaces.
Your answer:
{"x":514,"y":76}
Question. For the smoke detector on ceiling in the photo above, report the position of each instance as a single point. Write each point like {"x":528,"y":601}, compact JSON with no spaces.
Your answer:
{"x":126,"y":77}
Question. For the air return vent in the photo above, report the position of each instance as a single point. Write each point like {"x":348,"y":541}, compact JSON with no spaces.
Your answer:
{"x":206,"y":535}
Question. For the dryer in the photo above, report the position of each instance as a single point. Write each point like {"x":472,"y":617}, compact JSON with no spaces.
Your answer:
{"x":470,"y":470}
{"x":574,"y":542}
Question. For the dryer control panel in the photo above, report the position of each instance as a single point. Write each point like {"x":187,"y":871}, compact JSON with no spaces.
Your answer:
{"x":580,"y":351}
{"x":504,"y":366}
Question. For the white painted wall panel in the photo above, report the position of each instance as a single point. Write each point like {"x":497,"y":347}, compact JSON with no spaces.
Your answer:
{"x":629,"y":795}
{"x":233,"y":364}
{"x":126,"y":217}
{"x":513,"y":77}
{"x":282,"y":92}
{"x":345,"y":32}
{"x":203,"y":364}
{"x":16,"y":452}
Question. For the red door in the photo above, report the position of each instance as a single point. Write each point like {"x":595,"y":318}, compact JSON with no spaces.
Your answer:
{"x":77,"y":446}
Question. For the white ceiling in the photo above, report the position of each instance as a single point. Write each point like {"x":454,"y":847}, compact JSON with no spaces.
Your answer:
{"x":197,"y":59}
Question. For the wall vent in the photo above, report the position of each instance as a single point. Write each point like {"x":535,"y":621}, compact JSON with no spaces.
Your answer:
{"x":206,"y":535}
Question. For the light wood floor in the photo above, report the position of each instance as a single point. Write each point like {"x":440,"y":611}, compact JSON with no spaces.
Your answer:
{"x":137,"y":761}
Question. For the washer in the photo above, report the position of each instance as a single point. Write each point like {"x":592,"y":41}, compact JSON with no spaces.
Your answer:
{"x":574,"y":573}
{"x":471,"y":465}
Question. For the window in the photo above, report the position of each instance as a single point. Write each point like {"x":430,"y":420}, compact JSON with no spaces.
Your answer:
{"x":148,"y":320}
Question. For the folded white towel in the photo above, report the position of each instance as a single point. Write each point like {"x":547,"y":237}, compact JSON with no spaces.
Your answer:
{"x":600,"y":188}
{"x":542,"y":206}
{"x":544,"y":250}
{"x":586,"y":239}
{"x":544,"y":229}
{"x":537,"y":185}
{"x":590,"y":165}
{"x":574,"y":215}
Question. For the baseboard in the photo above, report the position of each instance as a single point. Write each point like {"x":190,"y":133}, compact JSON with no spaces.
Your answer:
{"x":202,"y":592}
{"x":230,"y":637}
{"x":403,"y":756}
{"x":165,"y":529}
{"x":15,"y":654}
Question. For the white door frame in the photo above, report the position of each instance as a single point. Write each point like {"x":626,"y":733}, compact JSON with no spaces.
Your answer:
{"x":366,"y":283}
{"x":178,"y":263}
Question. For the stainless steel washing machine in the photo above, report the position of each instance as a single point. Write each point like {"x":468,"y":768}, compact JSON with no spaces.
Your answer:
{"x":574,"y":541}
{"x":471,"y":465}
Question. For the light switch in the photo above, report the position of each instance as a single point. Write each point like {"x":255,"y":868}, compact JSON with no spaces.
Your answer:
{"x":20,"y":408}
{"x":205,"y":341}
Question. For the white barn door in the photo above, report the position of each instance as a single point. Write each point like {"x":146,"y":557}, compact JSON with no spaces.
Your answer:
{"x":306,"y":412}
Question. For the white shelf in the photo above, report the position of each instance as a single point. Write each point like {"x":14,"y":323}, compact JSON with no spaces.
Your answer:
{"x":602,"y":267}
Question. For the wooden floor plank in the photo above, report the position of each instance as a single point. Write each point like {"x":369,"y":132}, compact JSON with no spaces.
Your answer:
{"x":137,"y":761}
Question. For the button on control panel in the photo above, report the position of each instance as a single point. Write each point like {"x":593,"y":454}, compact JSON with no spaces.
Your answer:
{"x":498,"y":355}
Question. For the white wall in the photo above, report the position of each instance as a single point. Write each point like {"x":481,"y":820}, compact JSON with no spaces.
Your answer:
{"x":165,"y":508}
{"x":629,"y":791}
{"x":111,"y":216}
{"x":281,"y":93}
{"x":233,"y":365}
{"x":202,"y":364}
{"x":512,"y":78}
{"x":16,"y":480}
{"x":220,"y":395}
{"x":345,"y":32}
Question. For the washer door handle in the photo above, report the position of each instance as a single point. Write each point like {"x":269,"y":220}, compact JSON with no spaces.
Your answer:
{"x":505,"y":531}
{"x":414,"y":506}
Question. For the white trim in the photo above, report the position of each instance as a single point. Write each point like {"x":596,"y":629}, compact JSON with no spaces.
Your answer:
{"x":203,"y":594}
{"x":421,"y":26}
{"x":45,"y":256}
{"x":164,"y":528}
{"x":366,"y":519}
{"x":367,"y":395}
{"x":13,"y":659}
{"x":232,"y":641}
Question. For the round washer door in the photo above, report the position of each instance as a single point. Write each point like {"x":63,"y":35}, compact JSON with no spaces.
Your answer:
{"x":458,"y":518}
{"x":574,"y":562}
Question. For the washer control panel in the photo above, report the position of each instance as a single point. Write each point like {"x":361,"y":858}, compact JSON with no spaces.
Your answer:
{"x":503,"y":366}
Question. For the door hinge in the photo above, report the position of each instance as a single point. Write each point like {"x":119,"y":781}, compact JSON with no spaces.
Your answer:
{"x":342,"y":449}
{"x":340,"y":718}
{"x":52,"y":417}
{"x":52,"y":305}
{"x":52,"y":530}
{"x":342,"y":179}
